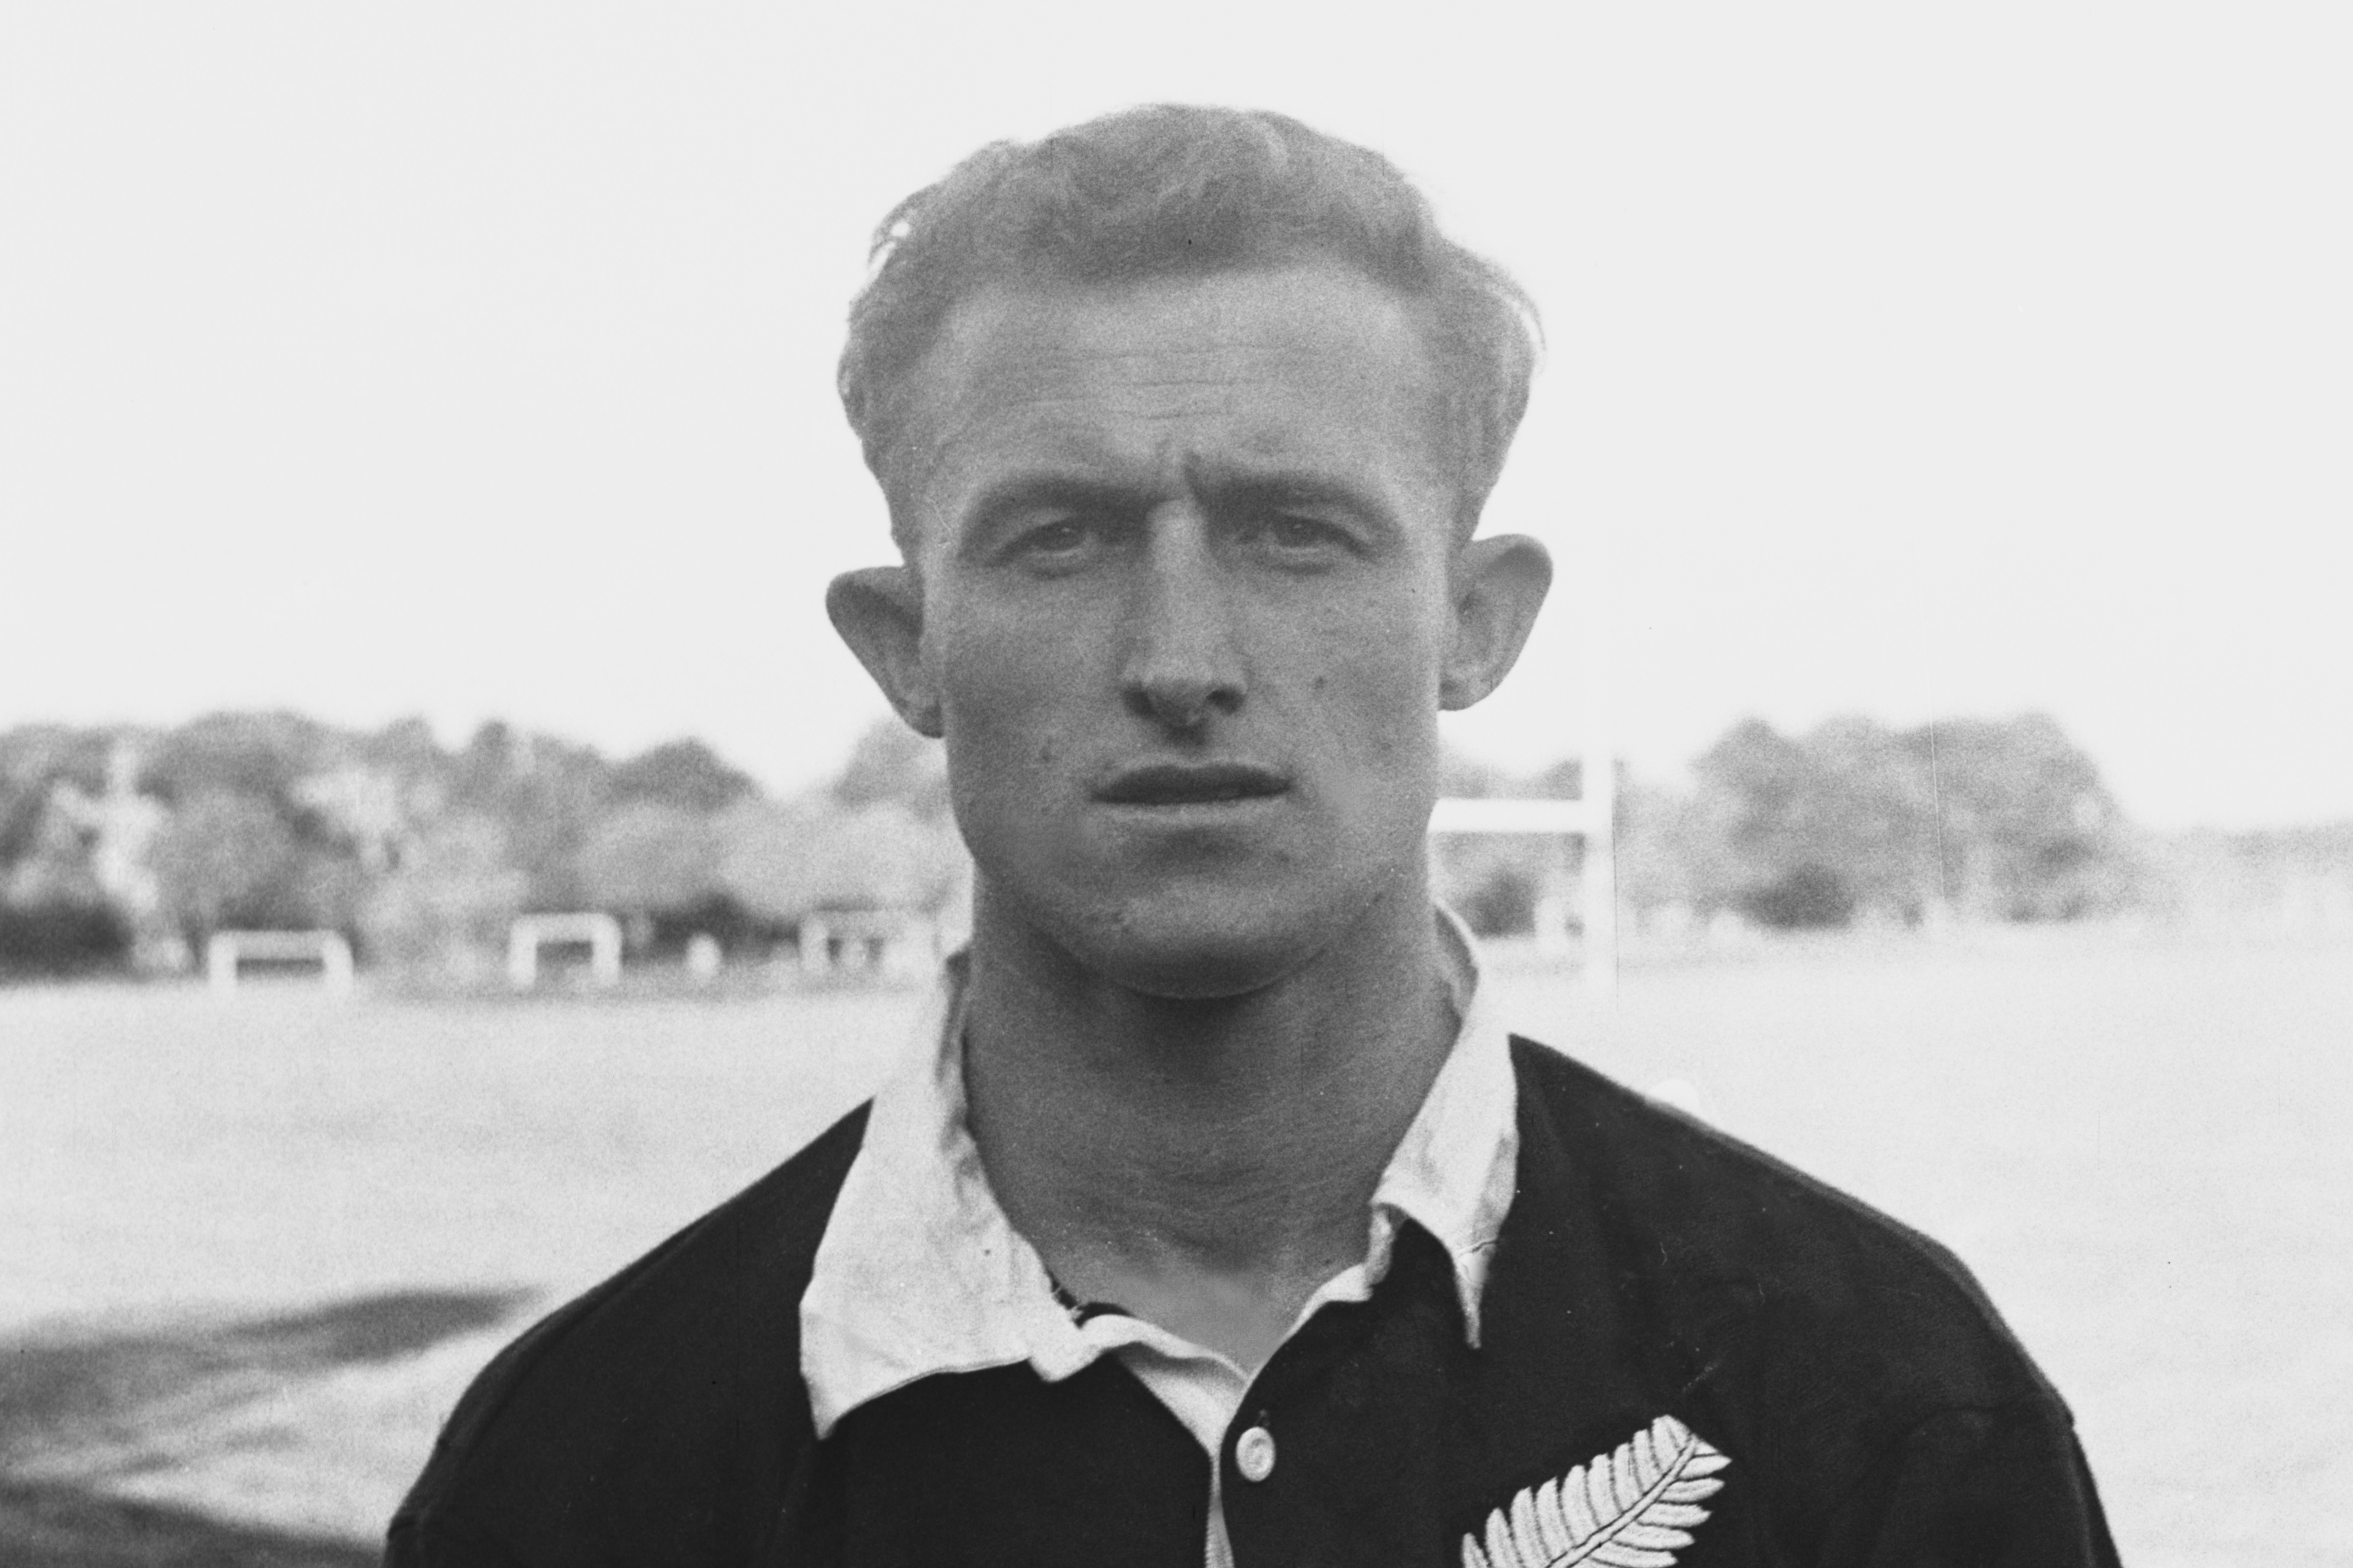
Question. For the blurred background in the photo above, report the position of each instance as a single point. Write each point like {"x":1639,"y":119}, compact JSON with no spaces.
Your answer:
{"x":419,"y":470}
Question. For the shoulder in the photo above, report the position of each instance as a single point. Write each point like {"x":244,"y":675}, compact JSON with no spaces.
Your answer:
{"x":680,"y":1371}
{"x":1798,"y":1311}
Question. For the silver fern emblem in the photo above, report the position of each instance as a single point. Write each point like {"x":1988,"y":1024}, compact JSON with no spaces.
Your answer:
{"x":1630,"y":1509}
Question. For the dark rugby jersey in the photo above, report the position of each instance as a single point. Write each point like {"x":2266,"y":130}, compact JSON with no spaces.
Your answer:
{"x":1688,"y":1354}
{"x":920,"y":1272}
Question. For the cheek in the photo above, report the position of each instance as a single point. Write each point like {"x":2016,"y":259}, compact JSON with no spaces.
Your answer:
{"x":1375,"y":687}
{"x":1006,"y":686}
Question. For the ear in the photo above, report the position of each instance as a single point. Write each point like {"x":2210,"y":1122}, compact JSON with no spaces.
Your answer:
{"x":1499,"y":584}
{"x":879,"y":611}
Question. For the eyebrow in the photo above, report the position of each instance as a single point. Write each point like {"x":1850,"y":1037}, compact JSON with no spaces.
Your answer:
{"x":1232,"y":488}
{"x":1222,"y":487}
{"x":1020,"y":492}
{"x":1225,"y":488}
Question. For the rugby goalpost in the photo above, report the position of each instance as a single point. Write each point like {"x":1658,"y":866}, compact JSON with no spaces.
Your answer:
{"x":600,"y":931}
{"x":1587,"y":819}
{"x":226,"y":950}
{"x":1592,"y":819}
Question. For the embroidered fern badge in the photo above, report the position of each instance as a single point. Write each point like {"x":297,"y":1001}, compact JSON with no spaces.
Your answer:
{"x":1630,"y":1509}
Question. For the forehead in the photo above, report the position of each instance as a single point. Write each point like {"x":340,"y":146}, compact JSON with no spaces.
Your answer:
{"x":1310,"y":370}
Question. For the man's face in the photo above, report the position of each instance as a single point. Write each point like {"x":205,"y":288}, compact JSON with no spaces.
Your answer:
{"x":1183,"y":551}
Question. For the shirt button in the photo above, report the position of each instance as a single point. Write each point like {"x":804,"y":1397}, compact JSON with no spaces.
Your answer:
{"x":1254,"y":1454}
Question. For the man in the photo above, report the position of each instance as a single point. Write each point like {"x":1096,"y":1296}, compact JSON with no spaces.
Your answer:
{"x":1215,"y":1219}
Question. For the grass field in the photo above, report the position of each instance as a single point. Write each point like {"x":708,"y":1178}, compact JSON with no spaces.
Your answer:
{"x":250,"y":1251}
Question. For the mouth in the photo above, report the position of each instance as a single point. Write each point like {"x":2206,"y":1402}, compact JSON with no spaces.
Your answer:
{"x":1192,"y":784}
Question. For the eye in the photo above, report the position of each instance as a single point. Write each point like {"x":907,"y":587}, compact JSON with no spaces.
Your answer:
{"x":1298,"y":537}
{"x":1059,"y":542}
{"x":1302,"y":533}
{"x":1061,"y":536}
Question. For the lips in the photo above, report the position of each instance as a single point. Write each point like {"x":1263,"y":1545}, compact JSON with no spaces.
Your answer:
{"x":1192,"y":784}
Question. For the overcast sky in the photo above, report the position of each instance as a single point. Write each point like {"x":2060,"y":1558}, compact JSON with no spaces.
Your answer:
{"x":477,"y":360}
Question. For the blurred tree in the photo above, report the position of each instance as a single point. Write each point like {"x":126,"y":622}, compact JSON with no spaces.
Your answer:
{"x":545,"y":792}
{"x":1664,"y":849}
{"x":492,"y":756}
{"x":1809,"y":896}
{"x":1998,"y":819}
{"x":406,"y":752}
{"x":886,"y":857}
{"x":891,"y":763}
{"x":1498,"y":896}
{"x":768,"y":856}
{"x":648,"y":858}
{"x":1765,"y":810}
{"x":684,"y":773}
{"x":58,"y":939}
{"x":404,"y":746}
{"x":55,"y":915}
{"x":1465,"y":777}
{"x":35,"y":760}
{"x":2029,"y":830}
{"x":1877,"y":835}
{"x":1564,"y":780}
{"x":225,"y":859}
{"x":356,"y":810}
{"x":272,"y":819}
{"x":261,"y":756}
{"x":785,"y":862}
{"x":449,"y":904}
{"x":75,"y":894}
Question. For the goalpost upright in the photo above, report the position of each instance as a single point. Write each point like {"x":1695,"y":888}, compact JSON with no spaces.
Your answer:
{"x":1588,"y":820}
{"x":1591,"y":818}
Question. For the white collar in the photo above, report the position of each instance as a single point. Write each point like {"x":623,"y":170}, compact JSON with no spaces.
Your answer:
{"x":920,"y":1272}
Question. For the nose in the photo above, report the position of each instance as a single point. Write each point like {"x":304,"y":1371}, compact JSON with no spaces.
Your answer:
{"x":1183,"y":667}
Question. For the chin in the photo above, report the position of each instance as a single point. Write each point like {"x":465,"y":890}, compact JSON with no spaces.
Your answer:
{"x":1191,"y":964}
{"x":1200,"y":941}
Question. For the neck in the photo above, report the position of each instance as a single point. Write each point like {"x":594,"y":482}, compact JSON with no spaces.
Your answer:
{"x":1205,"y":1163}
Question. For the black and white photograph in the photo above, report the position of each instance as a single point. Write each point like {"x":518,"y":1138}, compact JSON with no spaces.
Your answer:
{"x":1251,"y":785}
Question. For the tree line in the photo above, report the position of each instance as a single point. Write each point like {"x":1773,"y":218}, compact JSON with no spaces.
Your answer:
{"x":1852,"y":822}
{"x":125,"y":849}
